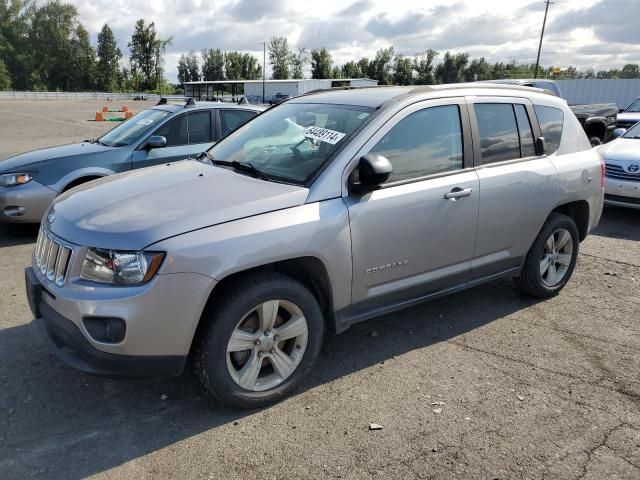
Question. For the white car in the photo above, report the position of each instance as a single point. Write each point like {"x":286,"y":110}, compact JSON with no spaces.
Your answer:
{"x":629,"y":116}
{"x":622,"y":169}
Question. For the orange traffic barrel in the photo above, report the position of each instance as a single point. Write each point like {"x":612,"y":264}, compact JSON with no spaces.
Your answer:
{"x":105,"y":109}
{"x":99,"y":117}
{"x":125,"y":108}
{"x":128,"y":114}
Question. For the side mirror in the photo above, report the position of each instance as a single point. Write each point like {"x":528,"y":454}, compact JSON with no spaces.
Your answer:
{"x":618,"y":132}
{"x":156,"y":141}
{"x":541,"y":147}
{"x":373,"y":170}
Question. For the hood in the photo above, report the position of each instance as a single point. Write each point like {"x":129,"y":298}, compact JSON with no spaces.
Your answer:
{"x":621,"y":149}
{"x":132,"y":210}
{"x":32,"y":160}
{"x":596,"y":110}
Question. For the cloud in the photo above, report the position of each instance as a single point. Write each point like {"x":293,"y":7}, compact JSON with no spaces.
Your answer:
{"x":598,"y":35}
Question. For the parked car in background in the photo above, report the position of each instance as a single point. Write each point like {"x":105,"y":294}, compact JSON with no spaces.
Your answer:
{"x":279,"y":98}
{"x":622,"y":159}
{"x":597,"y":120}
{"x":627,"y":117}
{"x":165,"y":133}
{"x":324,"y":211}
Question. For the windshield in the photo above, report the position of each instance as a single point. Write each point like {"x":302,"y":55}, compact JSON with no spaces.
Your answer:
{"x":133,"y":129}
{"x":292,"y":141}
{"x":634,"y":107}
{"x":633,"y":132}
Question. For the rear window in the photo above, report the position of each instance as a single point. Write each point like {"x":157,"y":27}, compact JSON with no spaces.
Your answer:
{"x":551,"y":120}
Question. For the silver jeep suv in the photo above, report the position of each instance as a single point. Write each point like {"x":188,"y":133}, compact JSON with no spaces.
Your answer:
{"x":329,"y":209}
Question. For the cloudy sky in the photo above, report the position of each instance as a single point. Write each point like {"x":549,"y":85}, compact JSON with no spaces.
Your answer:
{"x":587,"y":34}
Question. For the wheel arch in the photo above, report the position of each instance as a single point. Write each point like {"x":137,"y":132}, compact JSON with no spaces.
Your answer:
{"x":578,"y":211}
{"x":79,"y":181}
{"x":308,"y":270}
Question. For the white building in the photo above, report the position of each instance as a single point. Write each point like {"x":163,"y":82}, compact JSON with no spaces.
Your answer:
{"x":252,"y":89}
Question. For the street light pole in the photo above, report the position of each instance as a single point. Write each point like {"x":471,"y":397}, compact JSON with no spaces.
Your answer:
{"x":544,"y":22}
{"x":264,"y":66}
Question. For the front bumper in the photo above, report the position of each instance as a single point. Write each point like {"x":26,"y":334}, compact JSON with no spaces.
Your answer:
{"x":622,"y":193}
{"x":161,"y":318}
{"x":25,"y":203}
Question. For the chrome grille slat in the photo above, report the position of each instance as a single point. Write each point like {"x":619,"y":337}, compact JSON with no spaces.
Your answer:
{"x":52,"y":257}
{"x":617,"y":172}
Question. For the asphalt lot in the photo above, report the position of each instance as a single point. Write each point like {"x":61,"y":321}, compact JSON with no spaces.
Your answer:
{"x":527,"y":389}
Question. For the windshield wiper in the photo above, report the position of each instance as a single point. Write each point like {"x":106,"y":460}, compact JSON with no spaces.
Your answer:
{"x":208,"y":156}
{"x":244,"y":167}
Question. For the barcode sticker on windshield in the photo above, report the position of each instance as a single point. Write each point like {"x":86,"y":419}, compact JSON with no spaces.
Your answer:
{"x":145,"y":121}
{"x":323,"y":134}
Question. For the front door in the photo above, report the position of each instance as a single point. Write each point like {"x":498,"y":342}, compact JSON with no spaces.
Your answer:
{"x":416,"y":234}
{"x":187,"y":135}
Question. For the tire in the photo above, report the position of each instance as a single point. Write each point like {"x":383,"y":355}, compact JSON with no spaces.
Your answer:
{"x":240,"y":310}
{"x":539,"y":282}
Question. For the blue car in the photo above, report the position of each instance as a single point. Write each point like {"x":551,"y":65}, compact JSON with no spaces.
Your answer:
{"x":164,"y":133}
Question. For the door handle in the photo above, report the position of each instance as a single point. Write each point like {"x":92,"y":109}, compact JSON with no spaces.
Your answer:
{"x":458,"y":193}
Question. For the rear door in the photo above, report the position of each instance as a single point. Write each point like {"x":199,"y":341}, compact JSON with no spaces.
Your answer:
{"x":518,"y":188}
{"x":411,"y":237}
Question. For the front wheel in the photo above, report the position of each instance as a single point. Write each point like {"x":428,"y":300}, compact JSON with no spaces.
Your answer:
{"x":262,"y":336}
{"x":551,"y":259}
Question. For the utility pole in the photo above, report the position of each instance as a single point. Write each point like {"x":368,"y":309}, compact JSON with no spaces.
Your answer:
{"x":264,"y":66}
{"x":544,"y":22}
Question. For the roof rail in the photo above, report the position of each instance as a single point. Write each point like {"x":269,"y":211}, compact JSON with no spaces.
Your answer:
{"x":189,"y":101}
{"x":348,"y":87}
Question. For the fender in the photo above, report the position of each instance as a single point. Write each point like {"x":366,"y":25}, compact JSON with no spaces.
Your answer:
{"x":60,"y":185}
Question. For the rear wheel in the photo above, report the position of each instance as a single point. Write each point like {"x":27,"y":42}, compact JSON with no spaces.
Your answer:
{"x":261,"y":339}
{"x":551,"y":259}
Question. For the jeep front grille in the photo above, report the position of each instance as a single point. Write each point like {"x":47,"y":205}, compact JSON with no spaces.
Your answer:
{"x":52,"y":258}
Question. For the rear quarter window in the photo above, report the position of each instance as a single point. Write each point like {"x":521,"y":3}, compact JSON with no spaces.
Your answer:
{"x":551,"y":121}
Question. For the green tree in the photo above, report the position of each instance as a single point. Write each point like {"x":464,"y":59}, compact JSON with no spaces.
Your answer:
{"x":336,"y":72}
{"x":233,"y":65}
{"x":403,"y":70}
{"x":83,"y":60}
{"x":279,"y":58}
{"x":188,"y":68}
{"x":451,"y":70}
{"x":251,"y":69}
{"x":320,"y":63}
{"x":423,"y":65}
{"x":298,"y":61}
{"x":147,"y":56}
{"x":212,"y":64}
{"x":5,"y":78}
{"x":364,"y":66}
{"x":351,"y":70}
{"x":630,"y":70}
{"x":380,"y":66}
{"x":478,"y":69}
{"x":109,"y":55}
{"x":52,"y":30}
{"x":15,"y":51}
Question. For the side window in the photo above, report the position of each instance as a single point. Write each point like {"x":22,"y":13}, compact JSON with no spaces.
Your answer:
{"x":551,"y":121}
{"x":527,"y":148}
{"x":232,"y":119}
{"x":498,"y":132}
{"x":200,"y":127}
{"x":175,"y":131}
{"x":426,"y":142}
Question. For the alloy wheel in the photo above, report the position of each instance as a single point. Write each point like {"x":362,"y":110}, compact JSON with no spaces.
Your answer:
{"x":556,"y":257}
{"x":267,"y":345}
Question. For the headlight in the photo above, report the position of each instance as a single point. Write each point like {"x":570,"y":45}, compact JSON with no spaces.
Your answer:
{"x":120,"y":267}
{"x":13,"y":179}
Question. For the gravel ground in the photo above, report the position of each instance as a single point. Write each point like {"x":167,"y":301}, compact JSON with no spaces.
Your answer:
{"x":524,"y":389}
